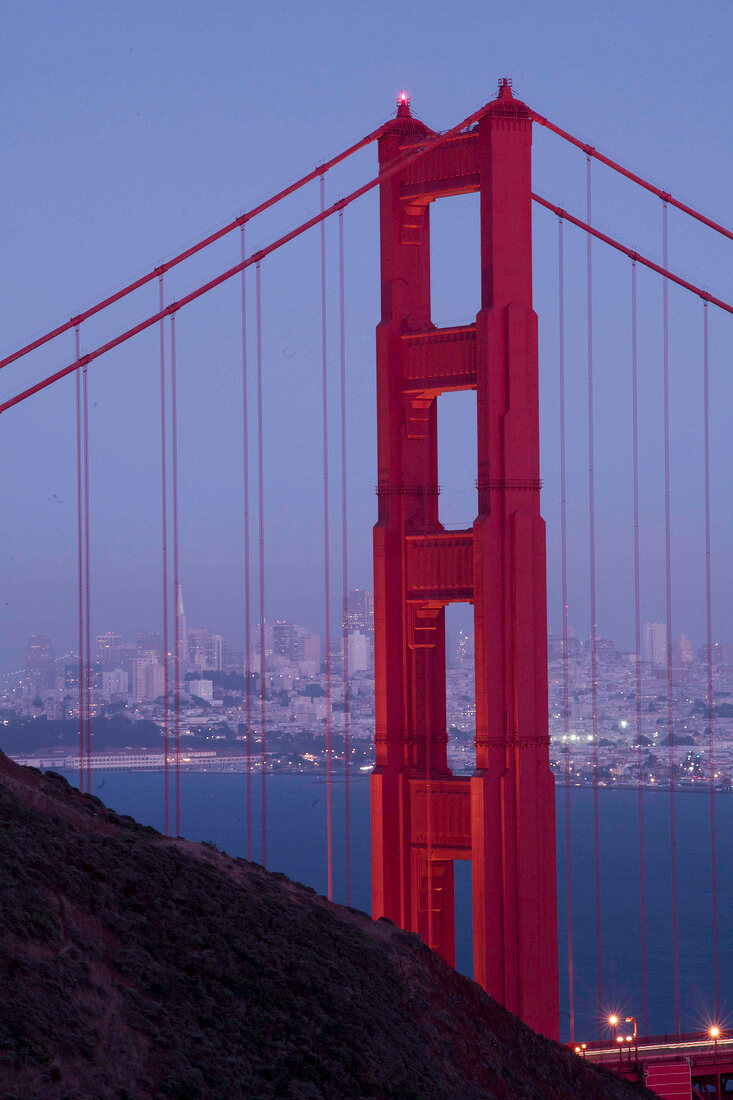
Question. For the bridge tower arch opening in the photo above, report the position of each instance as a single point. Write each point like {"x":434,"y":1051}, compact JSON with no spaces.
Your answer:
{"x":502,"y":817}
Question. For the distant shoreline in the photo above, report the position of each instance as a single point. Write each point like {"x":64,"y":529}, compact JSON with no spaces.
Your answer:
{"x":203,"y":762}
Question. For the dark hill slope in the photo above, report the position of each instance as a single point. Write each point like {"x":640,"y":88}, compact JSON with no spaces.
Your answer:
{"x":132,"y":966}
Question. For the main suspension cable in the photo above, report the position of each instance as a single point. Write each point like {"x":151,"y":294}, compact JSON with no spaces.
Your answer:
{"x":398,"y":165}
{"x":187,"y":253}
{"x":591,"y":151}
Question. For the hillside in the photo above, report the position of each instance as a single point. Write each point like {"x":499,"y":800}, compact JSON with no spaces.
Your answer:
{"x":134,"y":967}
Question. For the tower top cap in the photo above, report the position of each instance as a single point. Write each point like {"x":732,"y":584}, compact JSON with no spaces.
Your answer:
{"x":505,"y":104}
{"x":403,"y":124}
{"x":403,"y":106}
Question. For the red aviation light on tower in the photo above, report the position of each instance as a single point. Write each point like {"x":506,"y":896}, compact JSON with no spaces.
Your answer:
{"x":403,"y":105}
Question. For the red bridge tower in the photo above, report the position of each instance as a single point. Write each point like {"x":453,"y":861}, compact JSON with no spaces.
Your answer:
{"x":502,"y":818}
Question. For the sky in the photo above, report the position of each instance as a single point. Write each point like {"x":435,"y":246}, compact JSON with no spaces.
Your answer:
{"x":130,"y":130}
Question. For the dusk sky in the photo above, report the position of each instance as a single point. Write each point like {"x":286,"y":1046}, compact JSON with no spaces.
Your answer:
{"x":130,"y":130}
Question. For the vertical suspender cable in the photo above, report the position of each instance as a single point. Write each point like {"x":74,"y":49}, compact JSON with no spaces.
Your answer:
{"x":247,"y":617}
{"x":668,"y":585}
{"x":80,"y":559}
{"x":176,"y":581}
{"x":637,"y":637}
{"x":593,"y":626}
{"x":326,"y":556}
{"x":565,"y":668}
{"x":164,"y":545}
{"x":261,"y":519}
{"x":709,"y":639}
{"x":344,"y":564}
{"x":87,"y":570}
{"x":428,"y":656}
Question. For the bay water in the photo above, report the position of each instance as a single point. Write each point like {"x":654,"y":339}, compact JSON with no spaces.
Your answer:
{"x":213,"y":808}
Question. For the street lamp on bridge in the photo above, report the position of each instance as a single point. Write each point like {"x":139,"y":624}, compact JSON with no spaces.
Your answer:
{"x":715,"y":1035}
{"x":632,"y":1020}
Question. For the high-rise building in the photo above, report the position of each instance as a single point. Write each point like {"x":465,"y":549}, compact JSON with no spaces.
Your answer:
{"x":206,"y":651}
{"x":150,"y":644}
{"x":202,"y":689}
{"x":183,"y":653}
{"x":722,"y":653}
{"x":147,"y":679}
{"x":360,"y":616}
{"x":464,"y":646}
{"x":283,"y":640}
{"x":654,"y":643}
{"x":359,"y":652}
{"x":40,"y":661}
{"x":256,"y":640}
{"x":307,"y":647}
{"x":682,"y":651}
{"x":115,"y":685}
{"x":108,"y":649}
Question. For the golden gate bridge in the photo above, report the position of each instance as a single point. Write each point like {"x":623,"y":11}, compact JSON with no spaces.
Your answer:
{"x":502,"y":817}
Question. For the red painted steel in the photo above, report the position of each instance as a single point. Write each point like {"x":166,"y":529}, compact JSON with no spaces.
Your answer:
{"x":198,"y":247}
{"x":565,"y":667}
{"x":503,"y":816}
{"x":164,"y":542}
{"x":668,"y":589}
{"x":637,"y":636}
{"x":87,"y":581}
{"x":261,"y":563}
{"x":591,"y":151}
{"x":345,"y":564}
{"x":176,"y":579}
{"x":80,"y":560}
{"x":398,"y":165}
{"x":670,"y":1080}
{"x":709,"y":640}
{"x":593,"y":616}
{"x":247,"y":585}
{"x":326,"y":551}
{"x":660,"y":270}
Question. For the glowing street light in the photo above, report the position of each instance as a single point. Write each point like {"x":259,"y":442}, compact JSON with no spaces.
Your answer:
{"x":631,"y":1020}
{"x":715,"y":1035}
{"x":613,"y":1024}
